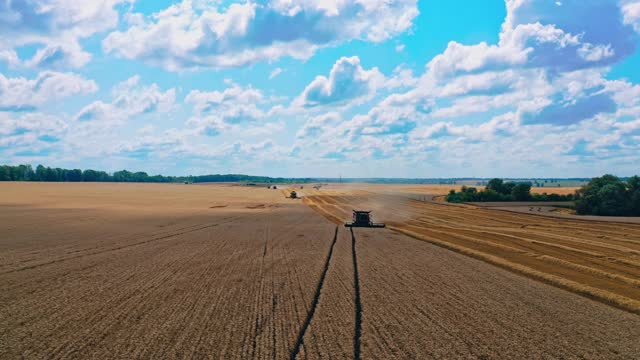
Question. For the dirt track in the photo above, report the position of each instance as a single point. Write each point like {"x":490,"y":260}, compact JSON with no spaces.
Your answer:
{"x":173,"y":271}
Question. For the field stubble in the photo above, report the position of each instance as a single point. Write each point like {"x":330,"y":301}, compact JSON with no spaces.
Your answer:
{"x":159,"y":282}
{"x":595,"y":259}
{"x":173,"y":271}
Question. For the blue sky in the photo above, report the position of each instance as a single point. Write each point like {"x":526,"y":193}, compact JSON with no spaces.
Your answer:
{"x":367,"y":88}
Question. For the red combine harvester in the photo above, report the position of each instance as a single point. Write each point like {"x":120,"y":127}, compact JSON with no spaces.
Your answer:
{"x":363,"y":218}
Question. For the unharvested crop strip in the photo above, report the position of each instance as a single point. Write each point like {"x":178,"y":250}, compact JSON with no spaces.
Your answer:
{"x":603,"y":296}
{"x":316,"y":300}
{"x":358,"y":303}
{"x":559,"y":262}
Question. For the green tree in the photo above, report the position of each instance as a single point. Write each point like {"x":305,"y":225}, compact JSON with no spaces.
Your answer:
{"x":633,"y":195}
{"x":507,"y":188}
{"x":75,"y":175}
{"x":606,"y":195}
{"x":122,"y":176}
{"x":495,"y":185}
{"x":51,"y":175}
{"x":41,"y":173}
{"x":521,"y":192}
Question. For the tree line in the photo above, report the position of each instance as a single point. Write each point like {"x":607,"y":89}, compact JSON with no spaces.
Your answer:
{"x":499,"y":190}
{"x":41,"y":173}
{"x":609,"y":196}
{"x":605,"y":196}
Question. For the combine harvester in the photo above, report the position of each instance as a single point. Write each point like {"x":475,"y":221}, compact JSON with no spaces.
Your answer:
{"x":363,"y":218}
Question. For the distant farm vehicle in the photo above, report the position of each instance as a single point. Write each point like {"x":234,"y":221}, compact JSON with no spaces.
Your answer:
{"x":293,"y":195}
{"x":362,"y":218}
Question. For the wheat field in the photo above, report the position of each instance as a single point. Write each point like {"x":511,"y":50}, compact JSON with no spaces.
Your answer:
{"x":224,"y":271}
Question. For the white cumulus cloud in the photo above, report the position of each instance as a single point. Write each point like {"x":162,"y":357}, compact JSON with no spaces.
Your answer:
{"x":536,"y":33}
{"x":56,"y":26}
{"x":194,"y":34}
{"x":631,"y":13}
{"x":129,"y":99}
{"x":219,"y":111}
{"x":20,"y":93}
{"x":347,"y":82}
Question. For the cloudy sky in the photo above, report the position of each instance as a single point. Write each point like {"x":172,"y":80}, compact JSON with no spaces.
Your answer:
{"x":364,"y":88}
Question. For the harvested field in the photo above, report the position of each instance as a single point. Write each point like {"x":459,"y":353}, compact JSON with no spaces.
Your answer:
{"x":420,"y":301}
{"x":437,"y":189}
{"x":551,"y":210}
{"x":595,"y":259}
{"x":554,"y":190}
{"x":219,"y":271}
{"x":158,"y":275}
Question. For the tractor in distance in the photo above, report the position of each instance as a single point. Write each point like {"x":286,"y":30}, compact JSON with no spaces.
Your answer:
{"x":293,"y":195}
{"x":362,"y":218}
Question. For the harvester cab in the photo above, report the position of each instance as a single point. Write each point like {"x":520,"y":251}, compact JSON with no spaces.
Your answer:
{"x":363,"y":218}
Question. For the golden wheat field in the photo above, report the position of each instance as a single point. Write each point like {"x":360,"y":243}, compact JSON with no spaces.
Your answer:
{"x":224,"y":271}
{"x":439,"y":189}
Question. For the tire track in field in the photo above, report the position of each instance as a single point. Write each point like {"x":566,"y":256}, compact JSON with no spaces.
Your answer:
{"x":98,"y":252}
{"x":358,"y":303}
{"x":316,"y":300}
{"x":260,"y":322}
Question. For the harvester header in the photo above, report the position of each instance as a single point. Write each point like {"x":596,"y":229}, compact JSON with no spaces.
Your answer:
{"x":363,"y":218}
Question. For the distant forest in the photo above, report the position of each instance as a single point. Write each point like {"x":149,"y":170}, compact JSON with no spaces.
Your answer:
{"x":605,"y":196}
{"x":499,"y":190}
{"x":41,"y":173}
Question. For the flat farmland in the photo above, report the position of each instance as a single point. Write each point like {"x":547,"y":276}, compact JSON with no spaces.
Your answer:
{"x":597,"y":259}
{"x":437,"y":189}
{"x":126,"y":271}
{"x":223,"y":271}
